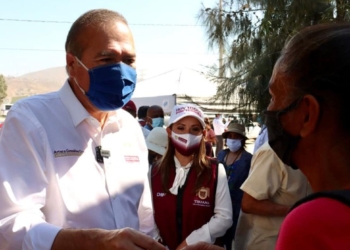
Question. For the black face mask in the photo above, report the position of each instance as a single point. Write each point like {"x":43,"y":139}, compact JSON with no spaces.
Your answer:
{"x":280,"y":141}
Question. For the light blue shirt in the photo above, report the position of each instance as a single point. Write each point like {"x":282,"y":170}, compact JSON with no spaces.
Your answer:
{"x":262,"y":138}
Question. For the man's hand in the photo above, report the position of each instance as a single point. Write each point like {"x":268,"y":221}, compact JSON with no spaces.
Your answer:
{"x":203,"y":246}
{"x":127,"y":238}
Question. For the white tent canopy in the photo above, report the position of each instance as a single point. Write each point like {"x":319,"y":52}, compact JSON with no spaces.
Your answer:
{"x":167,"y":102}
{"x":167,"y":87}
{"x":178,"y":81}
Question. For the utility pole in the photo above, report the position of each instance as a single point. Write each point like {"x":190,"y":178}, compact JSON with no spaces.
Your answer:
{"x":221,"y":44}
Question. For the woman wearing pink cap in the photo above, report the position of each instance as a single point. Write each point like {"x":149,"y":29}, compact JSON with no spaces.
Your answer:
{"x":190,"y":193}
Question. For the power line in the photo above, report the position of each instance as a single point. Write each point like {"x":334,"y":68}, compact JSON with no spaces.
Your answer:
{"x":54,"y":50}
{"x":67,"y":22}
{"x":61,"y":50}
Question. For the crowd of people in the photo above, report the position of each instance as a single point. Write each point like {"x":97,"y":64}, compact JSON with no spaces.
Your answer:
{"x":83,"y":168}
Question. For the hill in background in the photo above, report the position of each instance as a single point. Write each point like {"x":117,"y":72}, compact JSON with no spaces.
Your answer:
{"x":39,"y":82}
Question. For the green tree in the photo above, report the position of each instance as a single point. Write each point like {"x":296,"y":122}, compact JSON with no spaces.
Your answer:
{"x":3,"y":88}
{"x":253,"y":32}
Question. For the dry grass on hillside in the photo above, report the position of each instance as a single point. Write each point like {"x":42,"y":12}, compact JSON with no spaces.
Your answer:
{"x":39,"y":82}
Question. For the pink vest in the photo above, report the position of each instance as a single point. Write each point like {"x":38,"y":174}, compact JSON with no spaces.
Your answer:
{"x":177,"y":216}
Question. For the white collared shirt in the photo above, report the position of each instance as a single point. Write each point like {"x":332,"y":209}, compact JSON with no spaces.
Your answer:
{"x":50,"y":179}
{"x":222,"y":218}
{"x":219,"y":126}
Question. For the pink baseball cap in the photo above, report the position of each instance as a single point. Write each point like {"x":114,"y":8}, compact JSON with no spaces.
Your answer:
{"x":182,"y":110}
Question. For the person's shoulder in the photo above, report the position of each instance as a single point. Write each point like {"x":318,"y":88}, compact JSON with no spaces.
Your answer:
{"x":266,"y":152}
{"x":35,"y":102}
{"x":126,"y":117}
{"x":265,"y":147}
{"x":319,"y":223}
{"x":247,"y":155}
{"x":320,"y":210}
{"x":222,"y":154}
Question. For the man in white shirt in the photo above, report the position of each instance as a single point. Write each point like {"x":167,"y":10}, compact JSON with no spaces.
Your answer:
{"x":219,"y":129}
{"x":74,"y":165}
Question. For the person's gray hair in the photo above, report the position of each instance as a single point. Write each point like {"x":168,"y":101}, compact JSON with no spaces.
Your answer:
{"x":94,"y":18}
{"x":316,"y":61}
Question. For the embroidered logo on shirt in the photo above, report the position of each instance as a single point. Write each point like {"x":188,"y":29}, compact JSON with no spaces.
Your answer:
{"x":131,"y":158}
{"x":161,"y":194}
{"x":67,"y":152}
{"x":203,"y":193}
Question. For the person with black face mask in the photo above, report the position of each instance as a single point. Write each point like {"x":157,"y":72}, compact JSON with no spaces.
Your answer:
{"x":270,"y":190}
{"x":190,"y":193}
{"x":308,"y":128}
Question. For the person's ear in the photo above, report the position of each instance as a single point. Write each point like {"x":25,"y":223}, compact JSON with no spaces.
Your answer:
{"x":70,"y":64}
{"x":310,"y":111}
{"x":168,"y":130}
{"x":149,"y":120}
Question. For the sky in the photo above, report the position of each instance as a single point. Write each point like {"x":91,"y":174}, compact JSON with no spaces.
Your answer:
{"x":27,"y":46}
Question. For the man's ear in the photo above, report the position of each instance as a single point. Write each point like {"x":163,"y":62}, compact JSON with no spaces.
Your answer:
{"x":148,"y":120}
{"x":70,"y":64}
{"x":310,"y":115}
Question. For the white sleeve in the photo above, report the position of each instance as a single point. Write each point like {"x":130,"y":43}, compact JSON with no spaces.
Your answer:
{"x":145,"y":211}
{"x":23,"y":184}
{"x":222,"y":218}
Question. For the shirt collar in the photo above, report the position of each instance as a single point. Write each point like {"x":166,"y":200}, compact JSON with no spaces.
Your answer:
{"x":76,"y":110}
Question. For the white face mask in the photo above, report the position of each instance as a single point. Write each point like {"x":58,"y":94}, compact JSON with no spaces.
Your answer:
{"x":234,"y":144}
{"x":186,"y":144}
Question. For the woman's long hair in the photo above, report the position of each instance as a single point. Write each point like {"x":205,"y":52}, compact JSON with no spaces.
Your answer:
{"x":201,"y":164}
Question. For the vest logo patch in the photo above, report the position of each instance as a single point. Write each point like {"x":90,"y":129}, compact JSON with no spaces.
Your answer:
{"x":203,"y":193}
{"x":161,"y":194}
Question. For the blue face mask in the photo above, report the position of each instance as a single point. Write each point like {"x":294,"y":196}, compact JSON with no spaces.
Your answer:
{"x":111,"y":86}
{"x":157,"y":122}
{"x":234,"y":144}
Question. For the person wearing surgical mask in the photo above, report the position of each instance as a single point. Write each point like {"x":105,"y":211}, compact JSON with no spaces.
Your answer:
{"x":191,"y":198}
{"x":236,"y":161}
{"x":155,"y":117}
